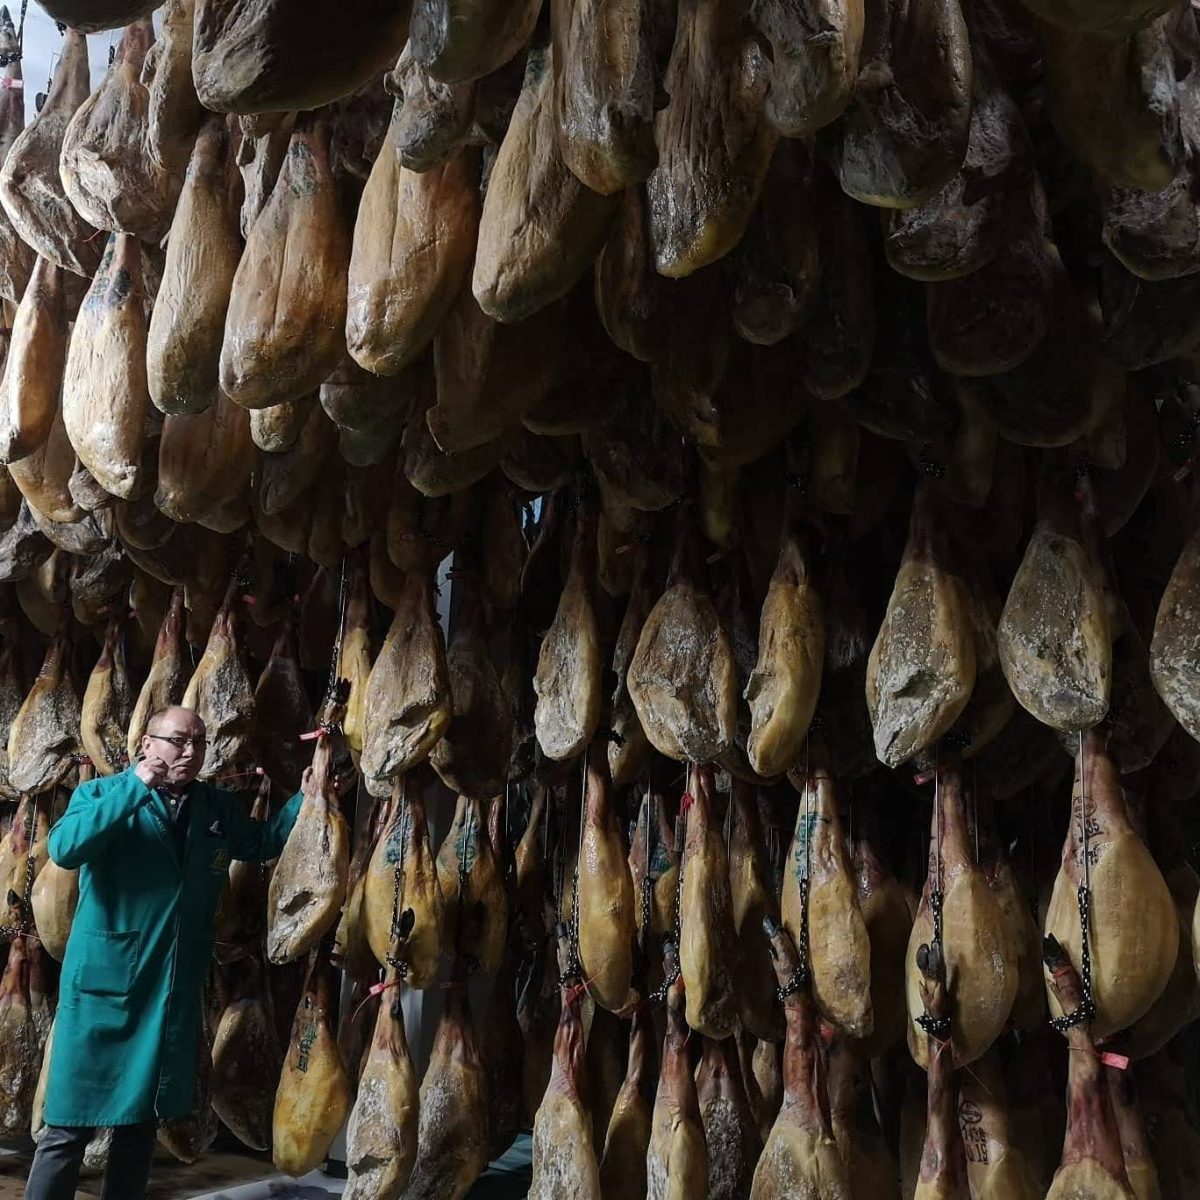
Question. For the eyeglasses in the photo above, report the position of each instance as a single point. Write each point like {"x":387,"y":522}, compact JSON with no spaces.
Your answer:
{"x":197,"y":743}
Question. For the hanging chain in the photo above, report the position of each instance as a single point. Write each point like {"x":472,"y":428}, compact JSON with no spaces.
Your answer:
{"x":937,"y":1027}
{"x":648,"y":807}
{"x":393,"y":960}
{"x":1085,"y":1014}
{"x":680,"y":842}
{"x":803,"y":972}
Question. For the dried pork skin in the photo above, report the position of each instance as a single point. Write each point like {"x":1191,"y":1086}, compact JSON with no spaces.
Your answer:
{"x":489,"y":375}
{"x":431,"y":121}
{"x":887,"y":908}
{"x":870,"y":1163}
{"x":1155,"y":235}
{"x":998,"y":1166}
{"x":175,"y":114}
{"x":904,"y":133}
{"x":777,"y":263}
{"x":284,"y":712}
{"x":623,"y":1163}
{"x":959,"y":229}
{"x":414,"y":240}
{"x":568,"y":677}
{"x":706,"y":938}
{"x":277,"y":429}
{"x":677,"y":1158}
{"x":31,"y":190}
{"x":33,"y":368}
{"x":1137,"y":723}
{"x":105,"y":396}
{"x":1054,"y":636}
{"x":921,"y":670}
{"x":1114,"y":102}
{"x":308,"y":885}
{"x":219,"y":691}
{"x":408,"y":702}
{"x":452,"y":1131}
{"x":23,"y":547}
{"x":604,"y":893}
{"x":714,"y":140}
{"x":1134,"y":933}
{"x":815,"y":48}
{"x":564,"y":1157}
{"x":981,"y":959}
{"x":972,"y":330}
{"x":1175,"y":645}
{"x":16,"y":258}
{"x":682,"y":676}
{"x":188,"y":487}
{"x":604,"y":90}
{"x":460,"y":40}
{"x":1147,"y":321}
{"x":730,"y":1131}
{"x":381,"y":1139}
{"x":783,"y":687}
{"x":23,"y":849}
{"x":540,"y":227}
{"x":473,"y":755}
{"x":21,"y":1053}
{"x":1114,"y":20}
{"x":167,"y":679}
{"x":475,"y":906}
{"x":314,"y":1094}
{"x":752,"y":892}
{"x":839,"y":948}
{"x":255,"y":56}
{"x":104,"y":165}
{"x":800,"y":1157}
{"x":838,"y":339}
{"x":629,"y":292}
{"x":246,"y":1054}
{"x":45,"y":732}
{"x":404,"y":840}
{"x":1092,"y":1166}
{"x":107,"y":704}
{"x":187,"y":325}
{"x":285,"y":325}
{"x":264,"y":146}
{"x":12,"y":693}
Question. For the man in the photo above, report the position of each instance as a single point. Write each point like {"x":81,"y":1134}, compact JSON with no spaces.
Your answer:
{"x":152,"y":846}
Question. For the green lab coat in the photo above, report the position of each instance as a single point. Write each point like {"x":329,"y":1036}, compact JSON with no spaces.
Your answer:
{"x":129,"y":1009}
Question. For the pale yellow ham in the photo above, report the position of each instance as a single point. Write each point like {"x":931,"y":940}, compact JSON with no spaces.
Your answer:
{"x":413,"y":244}
{"x":188,"y":323}
{"x":284,"y":329}
{"x":167,"y":680}
{"x":1134,"y":930}
{"x":819,"y":895}
{"x":105,"y":399}
{"x":313,"y":1098}
{"x":476,"y":910}
{"x":107,"y":704}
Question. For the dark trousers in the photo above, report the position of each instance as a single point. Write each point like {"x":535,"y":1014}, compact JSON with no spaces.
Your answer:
{"x":59,"y":1156}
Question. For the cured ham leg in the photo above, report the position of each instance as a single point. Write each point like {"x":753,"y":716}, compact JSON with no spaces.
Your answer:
{"x":869,"y":1163}
{"x":564,"y":1157}
{"x":997,"y":1166}
{"x":20,"y":1043}
{"x":107,"y":701}
{"x":1134,"y":930}
{"x":476,"y":908}
{"x":980,"y":962}
{"x":752,"y":890}
{"x":1135,"y":1147}
{"x":819,"y":898}
{"x":56,"y":895}
{"x":246,"y":1051}
{"x":24,"y":841}
{"x":404,"y":843}
{"x":452,"y":1138}
{"x":45,"y":732}
{"x":801,"y":1156}
{"x":730,"y":1131}
{"x":381,"y":1141}
{"x":706,"y":944}
{"x":623,"y":1166}
{"x":309,"y":882}
{"x":313,"y":1097}
{"x":605,"y":889}
{"x":677,"y":1160}
{"x":170,"y":670}
{"x":943,"y":1173}
{"x":922,"y":666}
{"x":1092,"y":1164}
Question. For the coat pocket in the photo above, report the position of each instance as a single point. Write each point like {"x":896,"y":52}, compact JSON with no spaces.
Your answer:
{"x":106,"y":962}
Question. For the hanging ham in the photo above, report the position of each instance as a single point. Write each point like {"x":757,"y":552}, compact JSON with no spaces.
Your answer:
{"x":44,"y":734}
{"x":107,"y":704}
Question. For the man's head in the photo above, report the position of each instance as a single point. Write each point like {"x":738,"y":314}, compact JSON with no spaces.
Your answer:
{"x":176,"y":738}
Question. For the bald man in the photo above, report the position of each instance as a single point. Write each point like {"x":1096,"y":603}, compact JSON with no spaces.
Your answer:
{"x":152,"y":846}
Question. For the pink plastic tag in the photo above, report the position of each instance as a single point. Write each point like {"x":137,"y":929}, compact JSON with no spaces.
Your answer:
{"x":312,"y":735}
{"x":1120,"y":1061}
{"x":13,"y":85}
